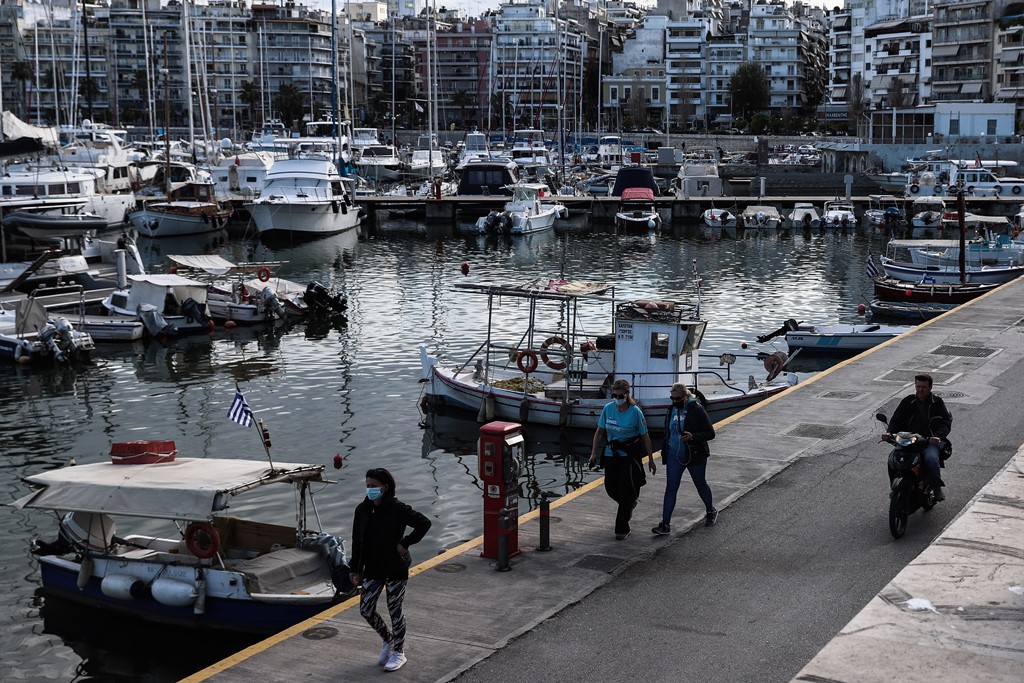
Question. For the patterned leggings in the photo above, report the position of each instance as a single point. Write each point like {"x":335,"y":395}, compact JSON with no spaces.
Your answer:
{"x":368,"y":608}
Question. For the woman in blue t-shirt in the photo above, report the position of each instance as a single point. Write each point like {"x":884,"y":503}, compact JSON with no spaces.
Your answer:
{"x":623,"y":429}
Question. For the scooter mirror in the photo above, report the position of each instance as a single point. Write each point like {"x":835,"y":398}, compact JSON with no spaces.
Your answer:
{"x":882,"y":418}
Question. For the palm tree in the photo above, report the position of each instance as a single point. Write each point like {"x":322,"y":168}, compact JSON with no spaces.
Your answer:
{"x":250,"y":95}
{"x":461,"y":99}
{"x":22,"y":71}
{"x":290,"y":103}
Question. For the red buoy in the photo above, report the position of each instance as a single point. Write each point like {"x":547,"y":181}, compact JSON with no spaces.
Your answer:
{"x":908,"y":292}
{"x":860,"y":309}
{"x":230,"y":325}
{"x":465,"y":268}
{"x":338,"y":461}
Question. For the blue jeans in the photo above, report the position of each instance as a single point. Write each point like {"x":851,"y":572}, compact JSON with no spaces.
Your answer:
{"x":674,"y":471}
{"x":931,"y":465}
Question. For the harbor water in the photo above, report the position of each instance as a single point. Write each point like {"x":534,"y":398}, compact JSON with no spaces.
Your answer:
{"x":353,"y":390}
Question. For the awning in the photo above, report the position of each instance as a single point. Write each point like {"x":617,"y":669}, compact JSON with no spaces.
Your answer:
{"x":1011,"y":54}
{"x":945,"y":50}
{"x":881,"y":82}
{"x":839,"y":93}
{"x":971,"y":88}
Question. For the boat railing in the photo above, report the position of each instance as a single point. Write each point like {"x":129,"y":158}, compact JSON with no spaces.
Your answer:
{"x":691,"y":378}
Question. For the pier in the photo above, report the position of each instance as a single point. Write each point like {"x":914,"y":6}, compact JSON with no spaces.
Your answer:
{"x":799,"y":580}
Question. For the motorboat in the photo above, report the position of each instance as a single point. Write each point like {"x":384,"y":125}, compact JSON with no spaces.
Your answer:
{"x":838,"y":213}
{"x":922,"y":268}
{"x":804,"y":217}
{"x":487,"y":177}
{"x":637,"y":212}
{"x":927,"y":212}
{"x":189,"y":209}
{"x":184,"y":540}
{"x":242,"y":176}
{"x":528,"y":150}
{"x":476,"y":147}
{"x":760,"y":217}
{"x":379,"y":163}
{"x":917,"y":311}
{"x":523,"y":213}
{"x":557,"y":370}
{"x":884,"y":211}
{"x":71,"y":190}
{"x":999,"y":250}
{"x":167,"y":304}
{"x":44,"y":225}
{"x":834,"y":338}
{"x":610,"y":151}
{"x":698,"y":177}
{"x":425,"y":163}
{"x":77,"y":260}
{"x":28,"y":335}
{"x":304,"y":195}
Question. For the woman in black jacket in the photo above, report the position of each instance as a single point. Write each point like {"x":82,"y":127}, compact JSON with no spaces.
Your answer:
{"x":687,"y":432}
{"x":380,"y":559}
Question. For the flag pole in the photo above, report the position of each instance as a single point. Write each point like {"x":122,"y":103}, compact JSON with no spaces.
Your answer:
{"x":264,"y":430}
{"x":265,"y":438}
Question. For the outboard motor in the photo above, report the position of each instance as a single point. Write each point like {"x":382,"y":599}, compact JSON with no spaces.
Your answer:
{"x":271,"y":301}
{"x":506,"y":223}
{"x":193,"y":312}
{"x":51,"y":340}
{"x":492,"y":223}
{"x":321,"y":300}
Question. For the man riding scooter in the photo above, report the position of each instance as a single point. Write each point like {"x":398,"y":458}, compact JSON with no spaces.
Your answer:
{"x":915,"y":414}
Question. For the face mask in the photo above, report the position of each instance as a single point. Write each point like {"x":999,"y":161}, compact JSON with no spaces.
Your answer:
{"x":620,"y":401}
{"x":374,"y":492}
{"x":678,"y":401}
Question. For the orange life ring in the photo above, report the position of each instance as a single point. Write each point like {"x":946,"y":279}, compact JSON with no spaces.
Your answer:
{"x":263,"y":274}
{"x":550,"y":341}
{"x":202,"y":540}
{"x":527,"y":361}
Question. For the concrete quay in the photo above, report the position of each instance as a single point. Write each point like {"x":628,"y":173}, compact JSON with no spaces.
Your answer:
{"x":777,"y":590}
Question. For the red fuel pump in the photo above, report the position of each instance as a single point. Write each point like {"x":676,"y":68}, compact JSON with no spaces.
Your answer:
{"x":501,"y":460}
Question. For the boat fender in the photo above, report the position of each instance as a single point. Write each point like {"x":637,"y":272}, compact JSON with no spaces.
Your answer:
{"x":970,"y":189}
{"x":344,"y":208}
{"x":489,"y":407}
{"x":206,"y":218}
{"x":549,"y":342}
{"x":334,"y":206}
{"x":914,"y":189}
{"x":563,"y":414}
{"x":200,"y":605}
{"x":526,"y":361}
{"x":774,"y":364}
{"x":524,"y":410}
{"x":997,"y":189}
{"x":123,"y":587}
{"x":202,"y":540}
{"x":1016,"y":189}
{"x":173,"y":593}
{"x":84,"y":572}
{"x":263,"y":274}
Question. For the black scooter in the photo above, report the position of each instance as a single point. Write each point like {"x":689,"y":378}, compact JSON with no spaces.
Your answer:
{"x":909,"y":485}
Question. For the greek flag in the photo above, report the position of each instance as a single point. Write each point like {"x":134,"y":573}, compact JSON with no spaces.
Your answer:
{"x":240,"y":411}
{"x":872,"y":269}
{"x":418,"y":107}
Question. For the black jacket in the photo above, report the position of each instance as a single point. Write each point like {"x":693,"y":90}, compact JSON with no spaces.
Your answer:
{"x":906,"y":419}
{"x":699,"y":425}
{"x":376,"y":532}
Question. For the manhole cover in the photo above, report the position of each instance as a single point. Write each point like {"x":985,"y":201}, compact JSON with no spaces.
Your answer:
{"x":553,"y":519}
{"x":842,"y":395}
{"x":966,"y":351}
{"x":450,"y":568}
{"x":950,"y":394}
{"x":601,"y":563}
{"x":320,"y":633}
{"x":816,"y":431}
{"x":908,"y":376}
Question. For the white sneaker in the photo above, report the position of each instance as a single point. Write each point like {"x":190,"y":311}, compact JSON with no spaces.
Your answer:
{"x":396,"y":662}
{"x":385,"y":653}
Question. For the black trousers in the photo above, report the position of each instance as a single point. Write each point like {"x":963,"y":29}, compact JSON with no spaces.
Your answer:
{"x":623,"y":477}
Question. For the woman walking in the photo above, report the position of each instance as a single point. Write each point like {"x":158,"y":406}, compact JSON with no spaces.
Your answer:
{"x":687,"y":432}
{"x":623,"y":429}
{"x":380,"y":559}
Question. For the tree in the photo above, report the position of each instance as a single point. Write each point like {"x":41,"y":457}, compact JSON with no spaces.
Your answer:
{"x":748,"y":90}
{"x":23,"y":72}
{"x":858,"y":105}
{"x":899,"y":95}
{"x":461,"y":99}
{"x":250,"y":95}
{"x":290,"y":103}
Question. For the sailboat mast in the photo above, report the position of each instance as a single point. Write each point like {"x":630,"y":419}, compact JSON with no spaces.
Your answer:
{"x":88,"y":69}
{"x":188,"y":78}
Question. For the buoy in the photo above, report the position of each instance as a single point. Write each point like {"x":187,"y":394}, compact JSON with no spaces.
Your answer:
{"x":464,"y":268}
{"x":230,"y":325}
{"x":861,"y":309}
{"x":908,"y":292}
{"x":743,"y":345}
{"x":210,"y":326}
{"x":489,"y":407}
{"x":338,"y":462}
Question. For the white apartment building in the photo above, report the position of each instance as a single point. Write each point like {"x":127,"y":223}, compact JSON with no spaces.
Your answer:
{"x":900,"y":57}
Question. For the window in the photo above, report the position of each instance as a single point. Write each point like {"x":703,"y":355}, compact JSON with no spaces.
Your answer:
{"x":656,"y":95}
{"x":659,"y":344}
{"x":614,"y":93}
{"x":626,"y":93}
{"x":991,"y":127}
{"x":954,"y":126}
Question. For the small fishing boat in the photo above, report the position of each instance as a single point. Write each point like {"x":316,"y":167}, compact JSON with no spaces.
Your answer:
{"x":760,"y":217}
{"x":838,"y":213}
{"x":191,"y":209}
{"x":167,"y":304}
{"x":637,"y":212}
{"x":27,"y":335}
{"x":804,"y":217}
{"x":44,"y":225}
{"x":718,"y":218}
{"x":834,"y":338}
{"x":190,"y":563}
{"x":549,"y":371}
{"x":893,"y":289}
{"x":884,"y":211}
{"x":524,"y":213}
{"x":908,"y":310}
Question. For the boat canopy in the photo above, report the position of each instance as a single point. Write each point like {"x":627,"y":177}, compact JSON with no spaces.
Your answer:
{"x":187,"y":489}
{"x":218,"y":265}
{"x":634,"y":176}
{"x":643,"y":193}
{"x":153,"y":290}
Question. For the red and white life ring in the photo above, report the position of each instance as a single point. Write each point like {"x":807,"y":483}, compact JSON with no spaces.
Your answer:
{"x":552,"y":341}
{"x":527,"y":361}
{"x":263,"y":274}
{"x":202,"y":540}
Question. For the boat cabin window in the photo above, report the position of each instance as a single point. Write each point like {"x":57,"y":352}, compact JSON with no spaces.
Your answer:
{"x":694,"y":336}
{"x":659,"y":344}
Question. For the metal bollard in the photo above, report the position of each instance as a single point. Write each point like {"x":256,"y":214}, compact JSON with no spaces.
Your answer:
{"x":545,"y":523}
{"x":503,"y":565}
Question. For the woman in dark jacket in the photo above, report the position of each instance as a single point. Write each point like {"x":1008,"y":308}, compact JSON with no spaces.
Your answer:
{"x":380,"y":559}
{"x":687,"y":432}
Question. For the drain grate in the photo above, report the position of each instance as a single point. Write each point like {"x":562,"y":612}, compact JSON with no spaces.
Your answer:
{"x":842,"y":395}
{"x":950,"y":394}
{"x":965,"y":351}
{"x":908,"y":376}
{"x":601,"y":563}
{"x":817,"y":431}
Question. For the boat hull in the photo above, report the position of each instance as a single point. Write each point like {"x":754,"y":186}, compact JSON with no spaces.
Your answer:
{"x":314,"y":218}
{"x":889,"y":289}
{"x":163,"y":224}
{"x":845,"y":339}
{"x":913,"y":272}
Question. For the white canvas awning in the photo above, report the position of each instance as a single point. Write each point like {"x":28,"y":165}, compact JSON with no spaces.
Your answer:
{"x":973,"y":88}
{"x":188,"y":489}
{"x":945,"y":50}
{"x":153,"y":290}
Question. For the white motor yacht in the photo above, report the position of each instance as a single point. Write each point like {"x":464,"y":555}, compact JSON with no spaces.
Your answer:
{"x":304,"y":195}
{"x":838,"y":213}
{"x":523,"y":213}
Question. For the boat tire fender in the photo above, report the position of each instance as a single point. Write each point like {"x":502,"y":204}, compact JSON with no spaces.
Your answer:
{"x":202,"y":540}
{"x":549,"y":342}
{"x":1016,"y":189}
{"x":914,"y":189}
{"x":970,"y":189}
{"x":998,"y":189}
{"x":263,"y":274}
{"x":527,"y":361}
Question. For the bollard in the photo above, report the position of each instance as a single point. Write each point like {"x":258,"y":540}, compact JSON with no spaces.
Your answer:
{"x":545,"y":523}
{"x":503,"y":565}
